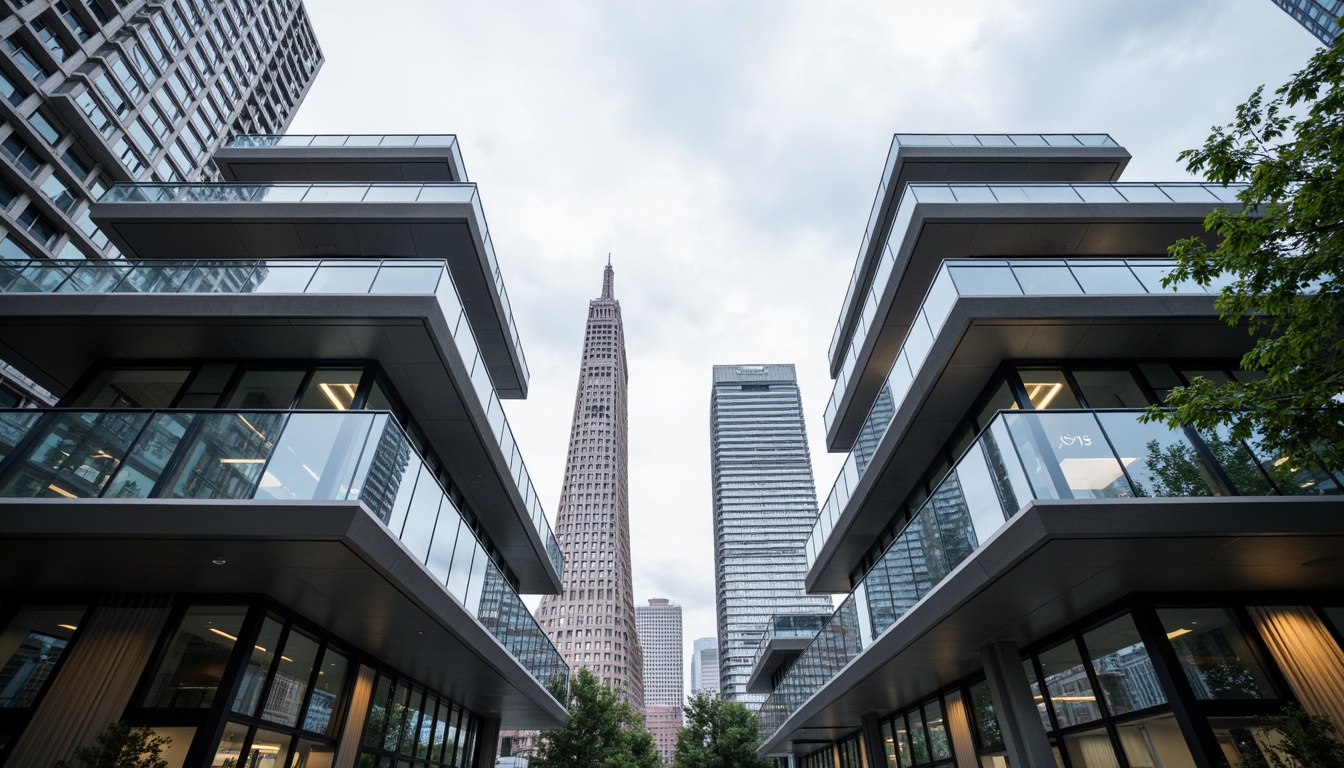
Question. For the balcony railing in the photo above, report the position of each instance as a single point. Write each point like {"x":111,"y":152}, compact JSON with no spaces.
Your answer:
{"x":314,"y":192}
{"x":344,"y":140}
{"x":977,"y":277}
{"x":946,"y":140}
{"x":298,"y":276}
{"x":1018,"y":457}
{"x":789,"y":625}
{"x":924,"y":192}
{"x":276,"y":456}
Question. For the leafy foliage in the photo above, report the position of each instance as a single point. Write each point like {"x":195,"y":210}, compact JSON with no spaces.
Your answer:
{"x":121,"y":746}
{"x":718,"y":734}
{"x":1294,"y":739}
{"x":603,"y":731}
{"x":1279,"y":264}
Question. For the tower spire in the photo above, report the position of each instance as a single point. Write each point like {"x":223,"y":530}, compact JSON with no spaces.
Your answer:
{"x":607,"y":276}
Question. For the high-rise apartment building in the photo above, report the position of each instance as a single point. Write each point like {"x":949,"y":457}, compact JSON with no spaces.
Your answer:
{"x":592,"y":621}
{"x":97,"y":92}
{"x":659,"y":625}
{"x":1318,"y":16}
{"x":1036,"y":576}
{"x":765,"y":503}
{"x":705,"y":665}
{"x":279,"y":515}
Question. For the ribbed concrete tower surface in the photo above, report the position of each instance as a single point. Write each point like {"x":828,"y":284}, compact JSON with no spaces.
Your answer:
{"x":592,"y":621}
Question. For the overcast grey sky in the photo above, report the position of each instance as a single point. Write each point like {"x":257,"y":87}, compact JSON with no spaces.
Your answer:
{"x":726,"y":153}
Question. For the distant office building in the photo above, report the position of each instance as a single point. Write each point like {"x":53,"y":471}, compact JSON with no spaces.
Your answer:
{"x":1318,"y":16}
{"x":705,"y":665}
{"x":96,"y":92}
{"x":659,"y":625}
{"x":765,"y":503}
{"x":592,"y":621}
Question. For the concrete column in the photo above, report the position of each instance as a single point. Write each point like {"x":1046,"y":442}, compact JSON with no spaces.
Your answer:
{"x":1023,"y":735}
{"x":487,"y":743}
{"x":872,"y":741}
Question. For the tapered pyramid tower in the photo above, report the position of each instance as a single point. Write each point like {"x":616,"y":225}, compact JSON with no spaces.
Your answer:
{"x":592,"y":621}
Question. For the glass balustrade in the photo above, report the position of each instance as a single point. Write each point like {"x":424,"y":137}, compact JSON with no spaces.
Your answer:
{"x":924,"y":192}
{"x":328,"y":192}
{"x":274,"y":456}
{"x":1021,"y":456}
{"x":946,"y":140}
{"x":789,"y":625}
{"x":298,"y":276}
{"x":977,"y":277}
{"x":343,"y":140}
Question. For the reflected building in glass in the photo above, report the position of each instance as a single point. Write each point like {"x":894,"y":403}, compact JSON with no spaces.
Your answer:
{"x":277,"y":515}
{"x":765,"y":502}
{"x":1034,"y":574}
{"x":705,"y":665}
{"x":1318,"y":16}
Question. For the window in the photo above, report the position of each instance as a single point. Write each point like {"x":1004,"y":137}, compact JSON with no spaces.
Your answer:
{"x":23,"y":157}
{"x":58,"y":193}
{"x":72,"y":21}
{"x":46,"y":126}
{"x":46,"y":33}
{"x":12,"y":93}
{"x":32,"y":645}
{"x":37,"y":225}
{"x":417,"y":727}
{"x":1215,"y":653}
{"x":76,"y":162}
{"x":188,"y":677}
{"x":12,"y":250}
{"x":132,"y":388}
{"x":918,"y":737}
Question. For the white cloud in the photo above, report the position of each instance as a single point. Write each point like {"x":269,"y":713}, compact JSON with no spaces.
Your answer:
{"x":726,"y":154}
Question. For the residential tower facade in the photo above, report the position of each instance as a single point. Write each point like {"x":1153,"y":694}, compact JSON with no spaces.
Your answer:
{"x":765,"y":503}
{"x":1318,"y":16}
{"x":1034,"y":574}
{"x":278,"y":515}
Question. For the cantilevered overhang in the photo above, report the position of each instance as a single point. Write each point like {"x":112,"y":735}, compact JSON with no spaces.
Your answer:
{"x":1056,"y":562}
{"x":341,"y":158}
{"x":777,"y":652}
{"x":53,"y":338}
{"x":952,"y":230}
{"x":979,"y":334}
{"x":279,"y":221}
{"x":926,"y":157}
{"x":333,"y":562}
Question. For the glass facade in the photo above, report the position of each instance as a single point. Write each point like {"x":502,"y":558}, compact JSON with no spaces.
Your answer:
{"x":1318,"y":16}
{"x":410,"y":726}
{"x":764,"y":505}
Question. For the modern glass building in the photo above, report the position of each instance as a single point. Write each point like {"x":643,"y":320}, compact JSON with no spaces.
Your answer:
{"x":277,"y":514}
{"x":1318,"y":16}
{"x":1035,"y":576}
{"x":705,"y":665}
{"x":765,"y":503}
{"x":659,"y":626}
{"x":99,"y":92}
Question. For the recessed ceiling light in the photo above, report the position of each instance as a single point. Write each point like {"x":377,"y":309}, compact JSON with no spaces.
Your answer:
{"x":219,"y":561}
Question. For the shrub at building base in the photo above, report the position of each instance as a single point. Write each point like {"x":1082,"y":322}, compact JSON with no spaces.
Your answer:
{"x":121,"y":746}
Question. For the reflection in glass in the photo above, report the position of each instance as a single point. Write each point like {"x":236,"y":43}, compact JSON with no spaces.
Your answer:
{"x":1244,"y":741}
{"x":1091,"y":749}
{"x":269,"y":749}
{"x":1161,"y":461}
{"x":76,"y":456}
{"x":30,"y":647}
{"x":148,"y":457}
{"x":1154,"y":742}
{"x":225,"y":457}
{"x":1122,"y":666}
{"x":984,"y":719}
{"x":320,"y":717}
{"x":229,"y":751}
{"x":188,"y":675}
{"x":266,"y":389}
{"x":332,"y":388}
{"x":290,"y":682}
{"x":1214,"y":653}
{"x":1067,"y":683}
{"x":1047,"y":388}
{"x":258,"y":667}
{"x":1110,"y":389}
{"x":132,"y":388}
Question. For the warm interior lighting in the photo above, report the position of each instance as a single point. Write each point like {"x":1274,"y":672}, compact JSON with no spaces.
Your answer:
{"x":255,"y":431}
{"x":101,"y":455}
{"x":268,"y":748}
{"x":283,"y":657}
{"x":242,"y":461}
{"x":340,"y":394}
{"x":1073,"y":698}
{"x":61,"y":491}
{"x":70,"y":627}
{"x":1172,"y":635}
{"x":1092,"y":474}
{"x":259,"y":648}
{"x":1043,"y":393}
{"x":1279,"y":461}
{"x":222,"y":633}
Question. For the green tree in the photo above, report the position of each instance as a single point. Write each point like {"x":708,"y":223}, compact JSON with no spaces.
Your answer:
{"x":1293,"y":739}
{"x":1278,"y":261}
{"x":718,"y":734}
{"x":603,"y":731}
{"x":121,"y":746}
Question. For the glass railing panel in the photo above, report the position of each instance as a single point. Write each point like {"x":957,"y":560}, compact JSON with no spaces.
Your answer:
{"x":34,"y":277}
{"x":216,"y":277}
{"x":166,"y":277}
{"x":74,"y":455}
{"x":337,"y":140}
{"x":1039,"y":278}
{"x":273,"y":455}
{"x":1143,"y":193}
{"x":15,"y":426}
{"x":282,"y":277}
{"x":1239,"y":464}
{"x":1189,"y":193}
{"x":1159,"y":461}
{"x":335,"y":193}
{"x":1100,"y":194}
{"x":392,"y":193}
{"x":974,"y":193}
{"x":1105,"y":278}
{"x":224,"y":456}
{"x":363,"y":140}
{"x":344,"y":277}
